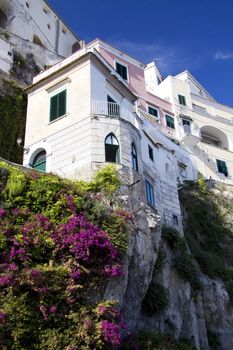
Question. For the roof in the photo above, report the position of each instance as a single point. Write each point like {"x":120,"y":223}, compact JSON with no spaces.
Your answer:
{"x":71,"y":60}
{"x":191,"y":77}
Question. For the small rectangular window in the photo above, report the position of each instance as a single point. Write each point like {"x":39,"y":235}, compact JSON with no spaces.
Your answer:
{"x":150,"y":193}
{"x":175,"y":219}
{"x":153,"y":111}
{"x":170,"y":121}
{"x":222,"y":167}
{"x":182,"y":100}
{"x":57,"y":105}
{"x":151,"y":154}
{"x":122,"y":70}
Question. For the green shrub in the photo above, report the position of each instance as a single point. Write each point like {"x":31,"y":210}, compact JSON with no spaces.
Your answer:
{"x":183,"y":260}
{"x":15,"y":183}
{"x":211,"y":264}
{"x":106,"y":180}
{"x":172,"y":236}
{"x":146,"y":340}
{"x":155,"y":300}
{"x":184,"y":264}
{"x":213,"y":339}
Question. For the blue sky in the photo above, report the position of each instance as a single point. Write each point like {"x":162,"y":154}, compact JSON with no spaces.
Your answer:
{"x":183,"y":34}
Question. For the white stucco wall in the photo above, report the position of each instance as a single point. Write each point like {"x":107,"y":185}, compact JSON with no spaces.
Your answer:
{"x":35,"y":17}
{"x":77,"y":83}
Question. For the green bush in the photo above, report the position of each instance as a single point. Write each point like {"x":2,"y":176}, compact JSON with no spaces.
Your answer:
{"x":213,"y":340}
{"x":172,"y":236}
{"x":106,"y":180}
{"x":156,"y":341}
{"x":183,"y":260}
{"x":155,"y":300}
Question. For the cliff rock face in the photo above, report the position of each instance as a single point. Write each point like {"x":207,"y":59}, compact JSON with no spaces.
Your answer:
{"x":201,"y":313}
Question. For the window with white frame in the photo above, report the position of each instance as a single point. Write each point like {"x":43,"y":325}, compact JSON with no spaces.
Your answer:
{"x":58,"y":105}
{"x":182,"y":100}
{"x":170,"y":121}
{"x":112,"y":150}
{"x":122,"y":70}
{"x":150,"y":197}
{"x":153,"y":111}
{"x":222,"y":167}
{"x":134,"y":157}
{"x":151,"y":153}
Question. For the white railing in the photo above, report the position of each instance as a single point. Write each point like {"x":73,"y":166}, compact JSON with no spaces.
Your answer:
{"x":148,"y":116}
{"x":105,"y":108}
{"x":190,"y":130}
{"x":112,"y":109}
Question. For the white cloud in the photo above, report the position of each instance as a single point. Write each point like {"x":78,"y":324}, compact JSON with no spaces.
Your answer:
{"x":223,"y":56}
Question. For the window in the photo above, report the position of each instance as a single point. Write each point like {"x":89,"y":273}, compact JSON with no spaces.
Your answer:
{"x":113,"y":107}
{"x":185,"y":122}
{"x":159,"y":80}
{"x":182,"y":169}
{"x":49,"y":27}
{"x":150,"y":193}
{"x":39,"y":161}
{"x":151,"y":154}
{"x":222,"y":167}
{"x":27,"y":4}
{"x":134,"y":157}
{"x":175,"y":219}
{"x":186,"y":126}
{"x":122,"y":70}
{"x":182,"y":100}
{"x":112,"y":149}
{"x":153,"y":111}
{"x":58,"y":105}
{"x":170,"y":121}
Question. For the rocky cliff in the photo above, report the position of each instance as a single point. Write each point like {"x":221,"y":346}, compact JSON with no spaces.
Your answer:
{"x":178,"y":284}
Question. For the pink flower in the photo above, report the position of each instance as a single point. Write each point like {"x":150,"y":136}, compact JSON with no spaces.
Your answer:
{"x":53,"y":309}
{"x":2,"y":213}
{"x":111,"y":332}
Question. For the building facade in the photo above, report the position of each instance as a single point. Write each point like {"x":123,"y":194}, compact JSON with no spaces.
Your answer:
{"x":203,"y":126}
{"x":83,"y":114}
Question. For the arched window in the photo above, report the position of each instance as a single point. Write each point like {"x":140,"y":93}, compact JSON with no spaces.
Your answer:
{"x":112,"y":153}
{"x":134,"y":157}
{"x":39,"y":162}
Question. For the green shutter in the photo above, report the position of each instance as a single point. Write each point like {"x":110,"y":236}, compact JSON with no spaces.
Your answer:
{"x":222,"y":167}
{"x":170,"y":121}
{"x":62,"y":103}
{"x":153,"y":111}
{"x":57,"y":105}
{"x":53,"y":107}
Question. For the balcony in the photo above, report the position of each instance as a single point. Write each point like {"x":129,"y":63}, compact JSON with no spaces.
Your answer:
{"x":203,"y":111}
{"x":112,"y":109}
{"x":190,"y":135}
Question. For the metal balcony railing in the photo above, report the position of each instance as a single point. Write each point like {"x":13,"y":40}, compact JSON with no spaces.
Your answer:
{"x":112,"y":109}
{"x":105,"y":108}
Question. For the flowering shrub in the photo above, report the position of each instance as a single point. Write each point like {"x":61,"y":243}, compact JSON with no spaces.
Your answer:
{"x":55,"y":263}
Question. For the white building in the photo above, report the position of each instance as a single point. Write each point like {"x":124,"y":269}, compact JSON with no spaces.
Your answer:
{"x":203,"y":126}
{"x":32,"y":26}
{"x":80,"y":116}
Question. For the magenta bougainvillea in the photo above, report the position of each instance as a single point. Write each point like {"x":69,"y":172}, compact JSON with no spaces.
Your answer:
{"x":54,"y":266}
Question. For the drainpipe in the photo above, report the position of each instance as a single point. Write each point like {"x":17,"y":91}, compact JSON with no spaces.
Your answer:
{"x":57,"y":35}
